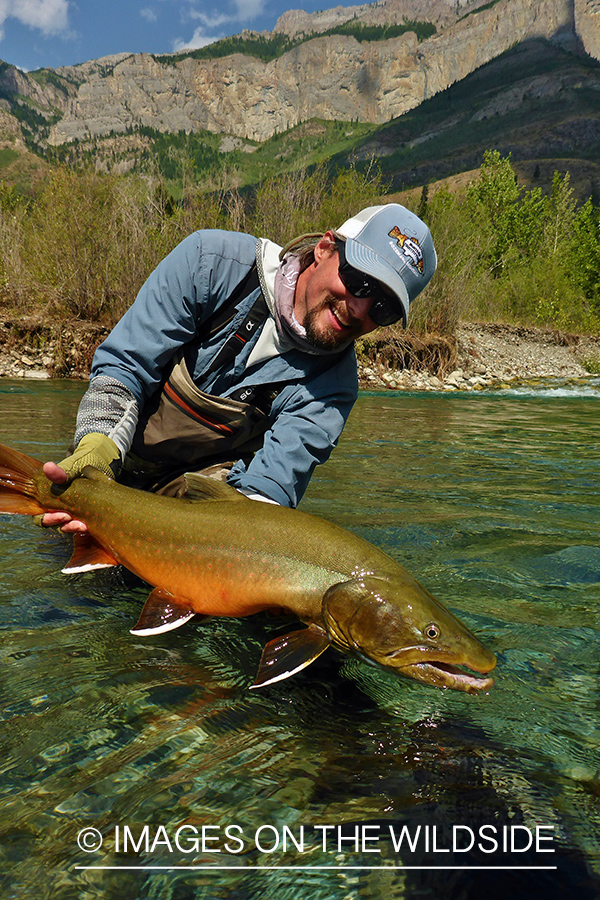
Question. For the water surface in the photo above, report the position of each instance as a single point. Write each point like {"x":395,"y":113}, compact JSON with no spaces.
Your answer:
{"x":493,"y":502}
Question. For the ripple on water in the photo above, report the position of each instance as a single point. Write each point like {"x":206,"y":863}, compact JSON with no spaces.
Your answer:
{"x":492,"y":501}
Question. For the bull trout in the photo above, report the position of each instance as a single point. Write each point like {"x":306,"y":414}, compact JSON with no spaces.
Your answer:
{"x":217,"y":553}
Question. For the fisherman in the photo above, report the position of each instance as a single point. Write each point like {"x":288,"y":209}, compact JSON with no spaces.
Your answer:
{"x":236,"y":358}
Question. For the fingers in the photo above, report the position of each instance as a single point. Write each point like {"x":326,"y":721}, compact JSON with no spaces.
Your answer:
{"x":52,"y":519}
{"x":60,"y":518}
{"x":54,"y":473}
{"x":63,"y":521}
{"x":74,"y":527}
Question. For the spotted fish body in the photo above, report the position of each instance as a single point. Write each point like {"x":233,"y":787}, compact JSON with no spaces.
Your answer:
{"x":215,"y":552}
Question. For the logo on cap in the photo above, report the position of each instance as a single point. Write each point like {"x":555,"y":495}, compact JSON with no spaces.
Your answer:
{"x":410,"y":247}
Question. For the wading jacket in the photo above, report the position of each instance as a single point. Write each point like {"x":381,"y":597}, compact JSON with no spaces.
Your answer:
{"x":316,"y":392}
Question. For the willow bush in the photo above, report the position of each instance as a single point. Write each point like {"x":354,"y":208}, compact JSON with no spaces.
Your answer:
{"x":91,"y":241}
{"x":85,"y":245}
{"x":505,"y":254}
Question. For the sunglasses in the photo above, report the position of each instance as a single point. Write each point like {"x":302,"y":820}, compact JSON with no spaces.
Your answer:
{"x":385,"y":309}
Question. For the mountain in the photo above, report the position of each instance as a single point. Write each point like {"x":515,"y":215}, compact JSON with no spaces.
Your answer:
{"x":400,"y":62}
{"x":537,"y":102}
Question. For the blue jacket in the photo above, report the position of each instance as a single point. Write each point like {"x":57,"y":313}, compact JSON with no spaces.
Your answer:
{"x":192,"y":282}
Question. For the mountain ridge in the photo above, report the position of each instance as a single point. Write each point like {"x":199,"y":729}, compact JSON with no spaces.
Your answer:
{"x":110,"y":110}
{"x":330,"y":77}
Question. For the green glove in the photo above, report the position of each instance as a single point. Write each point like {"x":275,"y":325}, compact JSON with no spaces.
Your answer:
{"x":96,"y":450}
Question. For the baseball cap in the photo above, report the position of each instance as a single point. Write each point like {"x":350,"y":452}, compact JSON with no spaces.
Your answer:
{"x":391,"y":244}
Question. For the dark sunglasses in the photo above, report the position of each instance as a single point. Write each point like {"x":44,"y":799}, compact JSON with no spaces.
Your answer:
{"x":385,"y":310}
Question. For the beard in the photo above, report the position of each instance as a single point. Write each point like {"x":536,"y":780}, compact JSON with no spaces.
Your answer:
{"x":325,"y":338}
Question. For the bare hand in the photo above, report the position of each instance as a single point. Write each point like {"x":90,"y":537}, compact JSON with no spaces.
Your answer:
{"x":61,"y":518}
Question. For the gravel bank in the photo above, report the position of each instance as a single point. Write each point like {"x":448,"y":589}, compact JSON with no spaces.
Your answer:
{"x":498,"y":355}
{"x":487,"y":356}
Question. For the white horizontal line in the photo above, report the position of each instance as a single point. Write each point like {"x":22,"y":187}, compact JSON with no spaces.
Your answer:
{"x":242,"y":868}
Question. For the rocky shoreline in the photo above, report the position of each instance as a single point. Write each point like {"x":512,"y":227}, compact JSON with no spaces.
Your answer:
{"x":486,"y":355}
{"x":497,"y":356}
{"x":30,"y":348}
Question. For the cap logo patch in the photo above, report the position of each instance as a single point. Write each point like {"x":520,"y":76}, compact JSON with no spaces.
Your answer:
{"x":410,"y":247}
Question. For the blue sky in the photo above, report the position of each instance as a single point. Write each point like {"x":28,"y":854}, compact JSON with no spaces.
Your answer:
{"x":37,"y":33}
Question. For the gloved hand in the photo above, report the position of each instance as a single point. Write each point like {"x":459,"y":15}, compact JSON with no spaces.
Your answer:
{"x":96,"y":450}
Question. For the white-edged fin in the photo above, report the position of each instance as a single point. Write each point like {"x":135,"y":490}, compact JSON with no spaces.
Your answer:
{"x":162,"y":612}
{"x":203,"y":487}
{"x":87,"y":556}
{"x":286,"y":655}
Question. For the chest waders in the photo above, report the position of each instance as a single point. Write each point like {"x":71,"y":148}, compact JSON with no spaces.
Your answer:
{"x":183,"y":429}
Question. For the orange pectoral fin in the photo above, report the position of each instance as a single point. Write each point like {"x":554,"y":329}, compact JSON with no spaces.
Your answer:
{"x":286,"y":655}
{"x":162,"y":612}
{"x":88,"y":555}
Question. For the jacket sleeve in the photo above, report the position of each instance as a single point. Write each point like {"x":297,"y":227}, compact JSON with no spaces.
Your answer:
{"x":307,"y":421}
{"x":185,"y":288}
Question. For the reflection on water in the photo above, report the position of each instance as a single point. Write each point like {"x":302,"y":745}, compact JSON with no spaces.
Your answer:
{"x":493,"y":501}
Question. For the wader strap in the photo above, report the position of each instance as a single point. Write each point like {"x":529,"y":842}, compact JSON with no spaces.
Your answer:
{"x":223,"y":316}
{"x":237,"y":341}
{"x":260,"y":395}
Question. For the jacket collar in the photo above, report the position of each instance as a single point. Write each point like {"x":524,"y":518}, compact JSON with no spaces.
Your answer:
{"x":267,"y":263}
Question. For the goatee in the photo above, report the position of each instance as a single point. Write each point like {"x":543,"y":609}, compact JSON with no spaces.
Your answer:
{"x":328,"y":339}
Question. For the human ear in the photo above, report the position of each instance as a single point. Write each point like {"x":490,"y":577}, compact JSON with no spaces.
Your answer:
{"x":326,"y":246}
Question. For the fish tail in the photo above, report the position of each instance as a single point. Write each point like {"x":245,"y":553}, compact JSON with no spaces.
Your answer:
{"x":18,"y":483}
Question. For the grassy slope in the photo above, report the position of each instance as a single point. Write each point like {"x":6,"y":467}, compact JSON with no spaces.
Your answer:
{"x":537,"y":102}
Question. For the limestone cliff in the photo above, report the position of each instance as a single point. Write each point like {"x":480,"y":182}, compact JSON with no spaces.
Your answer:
{"x":330,"y":76}
{"x":587,"y":25}
{"x":296,"y":22}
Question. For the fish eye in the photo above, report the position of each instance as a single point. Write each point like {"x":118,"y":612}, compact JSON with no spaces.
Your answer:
{"x":431,"y":631}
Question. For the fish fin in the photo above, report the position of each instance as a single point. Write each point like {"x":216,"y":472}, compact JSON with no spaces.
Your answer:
{"x":88,"y":555}
{"x":18,"y":494}
{"x":203,"y":487}
{"x":161,"y":612}
{"x":290,"y":653}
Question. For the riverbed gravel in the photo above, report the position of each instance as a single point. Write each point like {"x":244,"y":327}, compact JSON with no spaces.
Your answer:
{"x":488,"y":355}
{"x":497,"y":355}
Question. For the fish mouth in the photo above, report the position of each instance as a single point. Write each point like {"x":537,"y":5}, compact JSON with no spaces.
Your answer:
{"x":445,"y":675}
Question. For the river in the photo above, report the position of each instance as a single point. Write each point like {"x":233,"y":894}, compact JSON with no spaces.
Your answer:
{"x":342,"y":782}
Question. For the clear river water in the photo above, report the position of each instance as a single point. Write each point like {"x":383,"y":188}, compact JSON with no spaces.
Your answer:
{"x":138,"y":767}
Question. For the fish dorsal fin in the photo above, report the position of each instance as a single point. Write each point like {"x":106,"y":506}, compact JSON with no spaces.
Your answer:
{"x":88,"y":555}
{"x":203,"y":487}
{"x":162,"y":612}
{"x":286,"y":655}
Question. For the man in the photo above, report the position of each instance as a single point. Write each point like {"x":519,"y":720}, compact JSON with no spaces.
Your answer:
{"x":237,"y":357}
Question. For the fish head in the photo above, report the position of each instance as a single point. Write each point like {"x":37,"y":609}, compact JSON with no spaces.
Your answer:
{"x":394,"y":622}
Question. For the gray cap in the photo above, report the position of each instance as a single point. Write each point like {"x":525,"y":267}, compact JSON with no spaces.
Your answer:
{"x":392,"y":245}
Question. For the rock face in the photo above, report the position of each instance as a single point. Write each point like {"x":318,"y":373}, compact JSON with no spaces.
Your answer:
{"x":587,"y":25}
{"x":296,"y":22}
{"x":331,"y":77}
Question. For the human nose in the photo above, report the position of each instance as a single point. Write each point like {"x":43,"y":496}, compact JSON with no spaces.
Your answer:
{"x":358,"y":307}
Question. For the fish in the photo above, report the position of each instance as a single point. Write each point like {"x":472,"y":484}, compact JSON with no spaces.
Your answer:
{"x":215,"y":552}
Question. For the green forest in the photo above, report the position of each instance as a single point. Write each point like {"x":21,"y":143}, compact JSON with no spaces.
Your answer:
{"x":84,"y":245}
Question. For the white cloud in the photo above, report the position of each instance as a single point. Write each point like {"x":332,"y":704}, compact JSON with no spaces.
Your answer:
{"x":50,"y":16}
{"x":215,"y":20}
{"x":198,"y":39}
{"x":244,"y":11}
{"x":249,"y":9}
{"x":148,"y":14}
